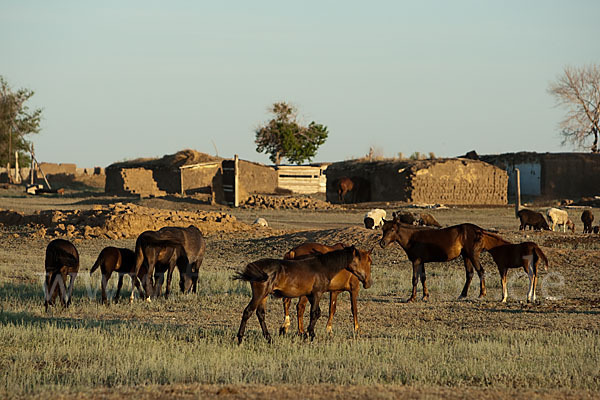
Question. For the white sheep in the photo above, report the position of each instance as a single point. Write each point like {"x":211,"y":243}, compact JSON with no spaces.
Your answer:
{"x":261,"y":222}
{"x":374,"y":218}
{"x":560,"y":217}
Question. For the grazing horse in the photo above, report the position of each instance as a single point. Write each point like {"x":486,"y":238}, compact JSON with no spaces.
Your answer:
{"x":62,"y":260}
{"x":165,"y":249}
{"x":310,"y":277}
{"x":423,"y":245}
{"x":344,"y":186}
{"x":113,"y":259}
{"x":344,"y":281}
{"x":508,"y":255}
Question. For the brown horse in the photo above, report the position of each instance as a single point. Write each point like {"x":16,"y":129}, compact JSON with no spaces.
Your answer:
{"x":113,"y":259}
{"x":165,"y":249}
{"x":423,"y":245}
{"x":344,"y":186}
{"x":62,"y":260}
{"x":310,"y":277}
{"x":344,"y":281}
{"x":508,"y":255}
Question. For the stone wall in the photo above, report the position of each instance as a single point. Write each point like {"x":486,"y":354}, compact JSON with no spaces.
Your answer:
{"x":447,"y":181}
{"x":256,"y":178}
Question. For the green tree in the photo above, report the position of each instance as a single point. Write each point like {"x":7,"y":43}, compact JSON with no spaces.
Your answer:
{"x":16,"y":121}
{"x":578,"y":89}
{"x":284,"y":137}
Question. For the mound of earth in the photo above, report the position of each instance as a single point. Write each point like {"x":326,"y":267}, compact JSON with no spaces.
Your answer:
{"x":124,"y":221}
{"x":286,"y":202}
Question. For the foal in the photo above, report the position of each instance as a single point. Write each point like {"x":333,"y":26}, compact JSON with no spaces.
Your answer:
{"x":308,"y":277}
{"x":113,"y":259}
{"x":508,"y":255}
{"x":344,"y":281}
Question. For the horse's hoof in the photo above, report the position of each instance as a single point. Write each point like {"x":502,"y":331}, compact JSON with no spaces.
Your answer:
{"x":239,"y":340}
{"x":426,"y":298}
{"x":282,"y":331}
{"x":410,"y":299}
{"x":148,"y":300}
{"x":461,"y":297}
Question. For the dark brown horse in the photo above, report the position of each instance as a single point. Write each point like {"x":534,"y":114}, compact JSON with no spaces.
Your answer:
{"x":62,"y":260}
{"x":508,"y":255}
{"x":113,"y":259}
{"x":344,"y":186}
{"x":166,"y":248}
{"x":423,"y":245}
{"x":310,"y":277}
{"x":344,"y":281}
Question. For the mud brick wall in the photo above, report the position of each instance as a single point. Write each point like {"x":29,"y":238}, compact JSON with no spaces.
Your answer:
{"x":200,"y":179}
{"x":256,"y":178}
{"x":131,"y":181}
{"x":457,"y":182}
{"x":447,"y":181}
{"x":54,"y":169}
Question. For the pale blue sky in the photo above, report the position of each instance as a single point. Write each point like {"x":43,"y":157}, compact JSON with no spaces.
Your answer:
{"x":126,"y":79}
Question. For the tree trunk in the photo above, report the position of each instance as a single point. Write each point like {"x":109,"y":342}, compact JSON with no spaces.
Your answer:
{"x":278,"y":158}
{"x":595,"y":144}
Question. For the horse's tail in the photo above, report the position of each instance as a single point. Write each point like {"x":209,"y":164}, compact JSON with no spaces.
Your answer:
{"x":542,"y":256}
{"x":139,"y":255}
{"x":252,"y":273}
{"x":98,"y":262}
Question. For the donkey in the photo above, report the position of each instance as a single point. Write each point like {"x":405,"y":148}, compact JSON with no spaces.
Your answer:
{"x":310,"y":277}
{"x":62,"y":260}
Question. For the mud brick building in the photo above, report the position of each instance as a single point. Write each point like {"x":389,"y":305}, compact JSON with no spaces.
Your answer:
{"x":445,"y":181}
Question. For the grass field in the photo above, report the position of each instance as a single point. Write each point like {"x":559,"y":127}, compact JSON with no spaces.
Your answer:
{"x":185,"y":347}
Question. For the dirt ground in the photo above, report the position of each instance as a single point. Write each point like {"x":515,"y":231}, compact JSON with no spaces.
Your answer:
{"x":568,"y":295}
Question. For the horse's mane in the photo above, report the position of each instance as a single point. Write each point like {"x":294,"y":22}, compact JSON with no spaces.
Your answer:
{"x":336,"y":257}
{"x":491,"y":240}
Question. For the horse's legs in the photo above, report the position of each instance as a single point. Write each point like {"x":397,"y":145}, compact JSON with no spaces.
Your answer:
{"x":415,"y":280}
{"x":119,"y":285}
{"x":258,"y":294}
{"x":469,"y":273}
{"x":332,"y":307}
{"x":286,"y":316}
{"x":72,"y":276}
{"x":260,"y":313}
{"x":103,"y":284}
{"x":503,"y":273}
{"x":423,"y":278}
{"x":353,"y":301}
{"x":169,"y":278}
{"x":481,"y":274}
{"x":135,"y":280}
{"x":529,"y":267}
{"x":315,"y":313}
{"x":300,"y":308}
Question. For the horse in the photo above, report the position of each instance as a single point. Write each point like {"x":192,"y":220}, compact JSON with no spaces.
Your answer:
{"x":423,"y":245}
{"x":344,"y":186}
{"x":310,"y":277}
{"x":166,"y":248}
{"x":62,"y":260}
{"x":508,"y":255}
{"x":344,"y":281}
{"x":122,"y":261}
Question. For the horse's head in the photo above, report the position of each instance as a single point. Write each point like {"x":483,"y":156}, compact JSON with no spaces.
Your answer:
{"x":360,"y":266}
{"x":390,"y":232}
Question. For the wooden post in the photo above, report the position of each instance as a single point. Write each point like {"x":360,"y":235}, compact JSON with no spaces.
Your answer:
{"x":17,"y":173}
{"x":32,"y":165}
{"x":181,"y":180}
{"x":517,"y":192}
{"x":236,"y":182}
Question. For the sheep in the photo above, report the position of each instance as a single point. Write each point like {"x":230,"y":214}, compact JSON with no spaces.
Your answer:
{"x":560,"y":217}
{"x":374,"y":218}
{"x":533,"y":219}
{"x":428,"y":220}
{"x":407,"y":217}
{"x":261,"y":222}
{"x":587,"y":218}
